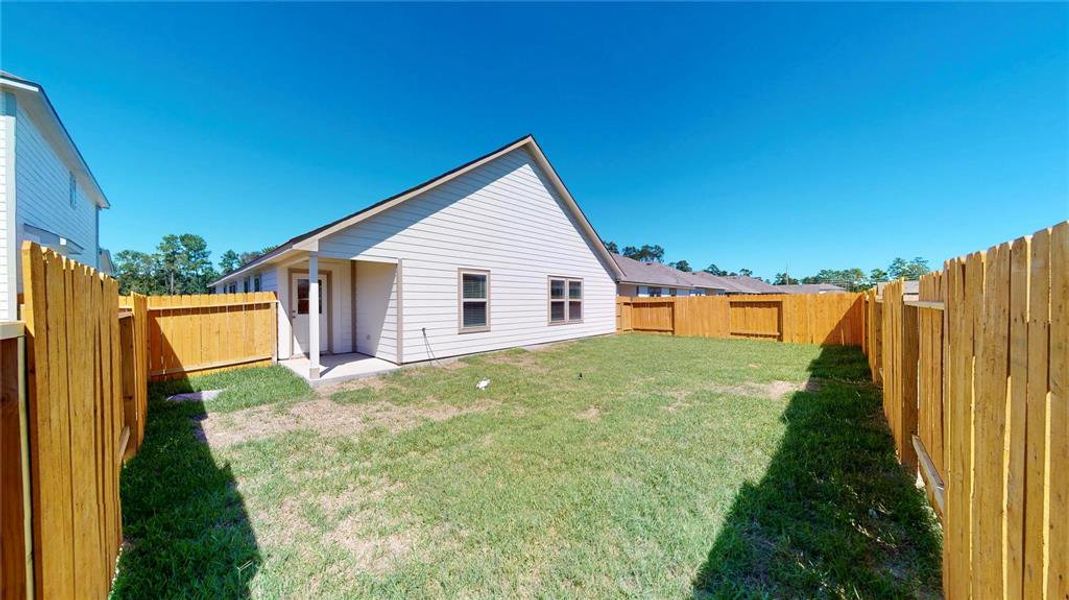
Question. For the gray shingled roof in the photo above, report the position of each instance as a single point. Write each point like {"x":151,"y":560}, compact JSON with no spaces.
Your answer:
{"x":808,"y":288}
{"x":650,"y":273}
{"x":658,"y":274}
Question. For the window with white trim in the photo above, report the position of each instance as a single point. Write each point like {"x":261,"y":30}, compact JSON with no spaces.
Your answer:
{"x":245,"y":285}
{"x":655,"y":292}
{"x":474,"y":297}
{"x":565,"y":300}
{"x":257,"y":285}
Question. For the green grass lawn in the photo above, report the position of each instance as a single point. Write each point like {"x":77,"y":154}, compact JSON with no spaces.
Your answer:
{"x":631,"y":465}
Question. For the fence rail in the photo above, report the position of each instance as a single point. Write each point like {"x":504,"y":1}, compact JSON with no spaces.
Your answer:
{"x":976,"y":391}
{"x":828,"y":319}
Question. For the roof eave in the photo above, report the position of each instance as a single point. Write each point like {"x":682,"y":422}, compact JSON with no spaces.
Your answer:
{"x":37,"y":91}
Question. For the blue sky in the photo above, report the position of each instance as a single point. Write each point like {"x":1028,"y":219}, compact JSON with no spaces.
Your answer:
{"x":751,"y":136}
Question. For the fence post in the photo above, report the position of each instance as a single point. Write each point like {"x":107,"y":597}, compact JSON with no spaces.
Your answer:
{"x":16,"y":550}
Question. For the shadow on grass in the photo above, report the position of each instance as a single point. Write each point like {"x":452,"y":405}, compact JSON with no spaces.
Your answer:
{"x":186,"y":528}
{"x":835,"y":515}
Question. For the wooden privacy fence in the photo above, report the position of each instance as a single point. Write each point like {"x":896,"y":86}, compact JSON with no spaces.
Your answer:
{"x":200,"y":333}
{"x":76,"y":431}
{"x":976,"y":391}
{"x":828,"y":319}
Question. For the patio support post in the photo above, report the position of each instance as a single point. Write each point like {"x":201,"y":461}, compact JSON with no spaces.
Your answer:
{"x":313,"y":315}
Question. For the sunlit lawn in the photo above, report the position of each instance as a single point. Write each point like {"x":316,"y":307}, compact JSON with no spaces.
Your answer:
{"x":620,"y":466}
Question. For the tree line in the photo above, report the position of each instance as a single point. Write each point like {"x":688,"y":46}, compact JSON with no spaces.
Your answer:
{"x":180,"y":264}
{"x":851,"y":279}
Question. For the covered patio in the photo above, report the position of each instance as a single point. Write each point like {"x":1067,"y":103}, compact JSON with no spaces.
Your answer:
{"x":353,"y":332}
{"x":336,"y":368}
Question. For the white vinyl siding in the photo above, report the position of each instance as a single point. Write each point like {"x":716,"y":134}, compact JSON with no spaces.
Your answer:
{"x":43,"y":189}
{"x":9,"y":263}
{"x":376,"y":309}
{"x":503,"y":217}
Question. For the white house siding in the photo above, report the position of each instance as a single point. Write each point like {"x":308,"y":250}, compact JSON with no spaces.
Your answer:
{"x":9,"y":263}
{"x":503,"y":217}
{"x":376,"y":310}
{"x":42,"y":186}
{"x":340,"y":309}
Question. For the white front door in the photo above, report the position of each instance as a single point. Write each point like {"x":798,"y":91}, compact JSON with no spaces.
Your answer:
{"x":299,"y":312}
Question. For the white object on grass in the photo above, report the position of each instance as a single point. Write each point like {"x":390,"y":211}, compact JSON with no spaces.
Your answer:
{"x":482,"y":385}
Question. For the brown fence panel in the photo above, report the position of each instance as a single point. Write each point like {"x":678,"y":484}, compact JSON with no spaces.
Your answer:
{"x":202,"y":333}
{"x":623,"y":314}
{"x":653,"y":315}
{"x":991,"y":340}
{"x":133,"y":330}
{"x":75,"y":423}
{"x":758,"y":318}
{"x":827,"y":319}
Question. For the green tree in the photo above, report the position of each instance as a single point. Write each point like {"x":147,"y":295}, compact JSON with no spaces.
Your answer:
{"x":712,"y":269}
{"x":784,"y":279}
{"x":877,"y":276}
{"x":681,"y":265}
{"x":229,"y":261}
{"x":248,"y":257}
{"x":745,"y":273}
{"x":611,"y":246}
{"x":647,"y":253}
{"x":183,"y":264}
{"x":136,"y":272}
{"x":900,"y":268}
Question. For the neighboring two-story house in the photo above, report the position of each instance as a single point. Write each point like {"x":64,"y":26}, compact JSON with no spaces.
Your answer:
{"x":48,"y":194}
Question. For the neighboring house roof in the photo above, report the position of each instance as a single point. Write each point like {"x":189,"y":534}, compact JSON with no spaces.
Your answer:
{"x":740,"y":284}
{"x":809,"y":288}
{"x":658,"y":274}
{"x":650,"y":273}
{"x":909,"y":287}
{"x":310,"y":240}
{"x":708,"y":281}
{"x":33,"y":97}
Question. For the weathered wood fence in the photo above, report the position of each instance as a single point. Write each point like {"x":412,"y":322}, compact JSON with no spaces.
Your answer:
{"x":976,"y":391}
{"x":828,"y":319}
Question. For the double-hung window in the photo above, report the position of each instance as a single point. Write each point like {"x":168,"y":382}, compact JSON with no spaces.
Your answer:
{"x":565,"y":300}
{"x":474,"y":295}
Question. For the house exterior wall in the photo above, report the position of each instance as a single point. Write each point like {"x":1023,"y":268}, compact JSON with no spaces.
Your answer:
{"x":626,"y":289}
{"x":9,"y":263}
{"x":43,"y":187}
{"x":503,"y":217}
{"x":376,"y":310}
{"x":647,"y":291}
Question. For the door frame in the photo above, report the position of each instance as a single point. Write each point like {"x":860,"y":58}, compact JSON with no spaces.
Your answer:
{"x":327,"y":306}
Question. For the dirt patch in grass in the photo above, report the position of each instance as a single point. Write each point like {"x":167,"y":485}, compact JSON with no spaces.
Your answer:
{"x":371,"y":383}
{"x":325,"y":417}
{"x":772,"y":390}
{"x":591,"y":414}
{"x":370,"y":552}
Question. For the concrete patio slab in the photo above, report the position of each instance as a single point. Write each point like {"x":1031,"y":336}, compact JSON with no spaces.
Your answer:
{"x":336,"y":368}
